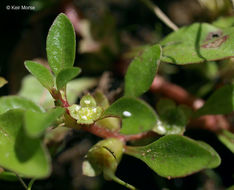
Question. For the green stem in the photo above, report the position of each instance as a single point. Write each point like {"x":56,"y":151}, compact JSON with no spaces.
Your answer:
{"x":30,"y":184}
{"x":121,"y":182}
{"x":161,"y":15}
{"x":21,"y":181}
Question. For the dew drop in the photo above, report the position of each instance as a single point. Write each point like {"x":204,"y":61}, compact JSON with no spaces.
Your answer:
{"x":87,"y":101}
{"x":84,"y":117}
{"x":77,"y":108}
{"x":127,"y":114}
{"x":149,"y":150}
{"x":161,"y":129}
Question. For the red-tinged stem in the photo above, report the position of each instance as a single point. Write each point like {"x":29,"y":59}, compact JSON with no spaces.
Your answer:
{"x":105,"y":133}
{"x":58,"y":97}
{"x":176,"y":93}
{"x":65,"y":103}
{"x":210,"y":122}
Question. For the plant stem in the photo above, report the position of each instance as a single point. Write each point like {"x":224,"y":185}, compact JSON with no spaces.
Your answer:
{"x":161,"y":15}
{"x":58,"y":97}
{"x":21,"y":181}
{"x":105,"y":133}
{"x":121,"y":182}
{"x":213,"y":123}
{"x":30,"y":184}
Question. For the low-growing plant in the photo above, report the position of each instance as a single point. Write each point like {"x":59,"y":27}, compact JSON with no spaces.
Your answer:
{"x":24,"y":125}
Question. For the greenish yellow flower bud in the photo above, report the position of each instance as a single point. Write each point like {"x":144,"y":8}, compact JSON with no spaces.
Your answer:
{"x":87,"y":112}
{"x":103,"y":157}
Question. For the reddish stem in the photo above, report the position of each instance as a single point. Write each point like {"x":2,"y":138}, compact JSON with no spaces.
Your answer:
{"x":58,"y":97}
{"x":105,"y":133}
{"x":175,"y":92}
{"x":213,"y":123}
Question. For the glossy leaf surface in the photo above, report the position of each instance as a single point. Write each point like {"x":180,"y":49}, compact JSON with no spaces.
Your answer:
{"x":41,"y":73}
{"x":136,"y":115}
{"x":141,"y":71}
{"x":17,"y":102}
{"x":60,"y":45}
{"x":197,"y":43}
{"x":36,"y":123}
{"x":20,"y":153}
{"x":176,"y":156}
{"x":66,"y":75}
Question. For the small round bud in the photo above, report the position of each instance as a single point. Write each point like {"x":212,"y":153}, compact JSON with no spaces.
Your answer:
{"x":88,"y":101}
{"x":103,"y":157}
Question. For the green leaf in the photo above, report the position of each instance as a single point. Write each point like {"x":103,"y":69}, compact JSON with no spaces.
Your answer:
{"x":220,"y":102}
{"x":227,"y":138}
{"x":17,"y":102}
{"x":136,"y":115}
{"x":224,"y":22}
{"x":142,"y":71}
{"x":112,"y":124}
{"x":36,"y":123}
{"x":3,"y":81}
{"x":8,"y":176}
{"x":20,"y":153}
{"x":41,"y":96}
{"x":197,"y":43}
{"x":41,"y":73}
{"x":60,"y":45}
{"x":38,"y":95}
{"x":65,"y":75}
{"x":101,"y":99}
{"x":173,"y":119}
{"x":176,"y":156}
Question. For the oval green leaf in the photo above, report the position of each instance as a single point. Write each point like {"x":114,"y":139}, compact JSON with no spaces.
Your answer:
{"x":136,"y":115}
{"x":65,"y":75}
{"x":141,"y":71}
{"x":20,"y":153}
{"x":36,"y":123}
{"x":173,"y":119}
{"x":60,"y":44}
{"x":41,"y":73}
{"x":197,"y":43}
{"x":176,"y":156}
{"x":17,"y":102}
{"x":220,"y":102}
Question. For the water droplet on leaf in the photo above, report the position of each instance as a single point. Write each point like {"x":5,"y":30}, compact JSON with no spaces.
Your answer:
{"x":127,"y":114}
